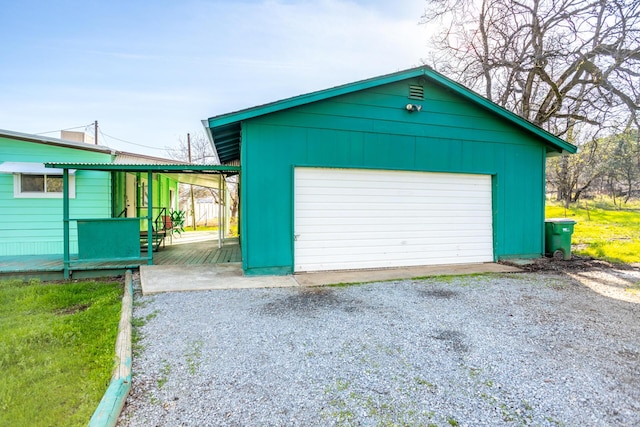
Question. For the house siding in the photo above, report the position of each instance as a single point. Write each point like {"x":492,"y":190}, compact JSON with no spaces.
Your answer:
{"x":371,"y":129}
{"x":33,"y":226}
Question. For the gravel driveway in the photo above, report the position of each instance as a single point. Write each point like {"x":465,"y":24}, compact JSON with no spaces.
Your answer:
{"x":490,"y":350}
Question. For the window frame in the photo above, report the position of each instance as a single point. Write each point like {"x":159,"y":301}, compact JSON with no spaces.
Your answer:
{"x":19,"y":194}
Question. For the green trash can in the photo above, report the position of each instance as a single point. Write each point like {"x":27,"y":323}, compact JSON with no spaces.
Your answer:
{"x":557,"y":233}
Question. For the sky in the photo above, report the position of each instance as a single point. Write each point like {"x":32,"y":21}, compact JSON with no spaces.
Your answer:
{"x":150,"y":70}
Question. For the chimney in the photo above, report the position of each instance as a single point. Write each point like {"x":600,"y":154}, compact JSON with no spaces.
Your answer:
{"x":77,"y":136}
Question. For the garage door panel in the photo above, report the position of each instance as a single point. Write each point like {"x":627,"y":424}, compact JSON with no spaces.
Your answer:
{"x":359,"y":247}
{"x":378,"y":253}
{"x":338,"y":194}
{"x":349,"y":219}
{"x":386,"y":236}
{"x":369,"y":218}
{"x":445,"y":259}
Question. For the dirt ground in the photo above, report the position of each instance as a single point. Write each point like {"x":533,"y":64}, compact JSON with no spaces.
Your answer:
{"x":617,"y":281}
{"x":575,"y":264}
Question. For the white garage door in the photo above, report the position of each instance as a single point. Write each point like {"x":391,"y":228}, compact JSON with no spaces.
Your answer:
{"x":356,"y":218}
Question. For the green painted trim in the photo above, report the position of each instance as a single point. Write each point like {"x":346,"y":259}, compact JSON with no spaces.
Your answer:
{"x":107,"y":219}
{"x":242,"y":208}
{"x":150,"y":216}
{"x":494,"y":213}
{"x":65,"y":222}
{"x":261,"y":110}
{"x":168,"y":168}
{"x":491,"y":172}
{"x":73,"y":263}
{"x":109,"y":408}
{"x":269,"y":271}
{"x":425,"y":71}
{"x":111,"y":404}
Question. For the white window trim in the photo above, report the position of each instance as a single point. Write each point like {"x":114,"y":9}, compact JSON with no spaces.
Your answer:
{"x":19,"y":194}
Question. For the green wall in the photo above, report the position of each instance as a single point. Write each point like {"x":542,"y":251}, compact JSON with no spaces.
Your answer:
{"x":372,"y":129}
{"x":33,"y":226}
{"x":162,"y":184}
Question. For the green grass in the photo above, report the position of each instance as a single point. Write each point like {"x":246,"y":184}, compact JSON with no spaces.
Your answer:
{"x":602,"y":231}
{"x":56,"y":350}
{"x":233,"y":228}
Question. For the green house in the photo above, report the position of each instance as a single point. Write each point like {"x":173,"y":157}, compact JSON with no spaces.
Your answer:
{"x":404,"y":169}
{"x":31,"y":196}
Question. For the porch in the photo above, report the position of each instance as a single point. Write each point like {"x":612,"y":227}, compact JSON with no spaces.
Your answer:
{"x":190,"y":248}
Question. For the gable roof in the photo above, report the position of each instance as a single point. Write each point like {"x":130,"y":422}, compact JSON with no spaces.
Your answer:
{"x":38,"y":139}
{"x":119,"y":157}
{"x":224,"y":130}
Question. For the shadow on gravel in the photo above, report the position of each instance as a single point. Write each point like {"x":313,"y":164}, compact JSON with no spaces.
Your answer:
{"x":437,"y":293}
{"x":307,"y":301}
{"x":453,"y":340}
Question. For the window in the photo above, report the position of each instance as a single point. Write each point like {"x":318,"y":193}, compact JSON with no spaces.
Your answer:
{"x":40,"y":186}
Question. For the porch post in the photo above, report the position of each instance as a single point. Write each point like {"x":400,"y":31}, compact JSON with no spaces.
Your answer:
{"x":150,"y":236}
{"x":220,"y":202}
{"x":65,"y":221}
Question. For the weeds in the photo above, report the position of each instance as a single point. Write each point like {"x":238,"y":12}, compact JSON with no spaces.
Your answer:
{"x":194,"y":356}
{"x":165,"y":371}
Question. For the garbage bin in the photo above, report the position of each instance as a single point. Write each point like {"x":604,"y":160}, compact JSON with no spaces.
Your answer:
{"x":557,"y":233}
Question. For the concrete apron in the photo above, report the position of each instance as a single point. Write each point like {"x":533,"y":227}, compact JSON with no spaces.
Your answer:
{"x":178,"y":278}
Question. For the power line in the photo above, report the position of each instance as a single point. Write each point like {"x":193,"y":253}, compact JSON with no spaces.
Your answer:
{"x":59,"y":130}
{"x":129,"y":142}
{"x":91,"y":125}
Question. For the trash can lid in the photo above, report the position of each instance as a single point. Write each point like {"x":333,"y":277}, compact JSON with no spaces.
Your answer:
{"x":560,"y":220}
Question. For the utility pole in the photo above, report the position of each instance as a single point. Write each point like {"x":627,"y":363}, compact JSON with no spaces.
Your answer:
{"x":193,"y":203}
{"x":95,"y":130}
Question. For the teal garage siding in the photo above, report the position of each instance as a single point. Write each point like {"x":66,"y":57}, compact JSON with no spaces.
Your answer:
{"x":413,"y":120}
{"x":371,"y":129}
{"x":34,"y":225}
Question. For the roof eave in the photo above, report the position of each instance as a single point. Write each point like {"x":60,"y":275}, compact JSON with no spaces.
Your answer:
{"x":238,"y":116}
{"x":208,"y":133}
{"x":158,"y":168}
{"x":461,"y":90}
{"x":261,"y":110}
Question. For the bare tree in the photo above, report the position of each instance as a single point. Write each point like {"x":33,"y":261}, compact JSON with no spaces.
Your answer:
{"x":201,"y":150}
{"x":569,"y":66}
{"x":622,"y":165}
{"x":202,"y":153}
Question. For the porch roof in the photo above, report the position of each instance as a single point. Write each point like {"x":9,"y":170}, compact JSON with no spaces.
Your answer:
{"x":202,"y":175}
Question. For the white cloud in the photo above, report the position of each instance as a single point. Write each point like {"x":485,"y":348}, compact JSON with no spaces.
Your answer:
{"x":202,"y":58}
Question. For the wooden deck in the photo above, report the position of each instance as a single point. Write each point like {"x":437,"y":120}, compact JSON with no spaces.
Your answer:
{"x":190,"y":250}
{"x":205,"y":252}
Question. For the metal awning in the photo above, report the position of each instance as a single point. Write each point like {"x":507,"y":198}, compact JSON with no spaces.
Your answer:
{"x":212,"y":176}
{"x":202,"y":175}
{"x":30,"y":168}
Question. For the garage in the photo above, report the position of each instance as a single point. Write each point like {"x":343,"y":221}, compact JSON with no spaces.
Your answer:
{"x":364,"y":218}
{"x":400,"y":170}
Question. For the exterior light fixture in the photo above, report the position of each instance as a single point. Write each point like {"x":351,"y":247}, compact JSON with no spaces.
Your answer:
{"x":413,"y":107}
